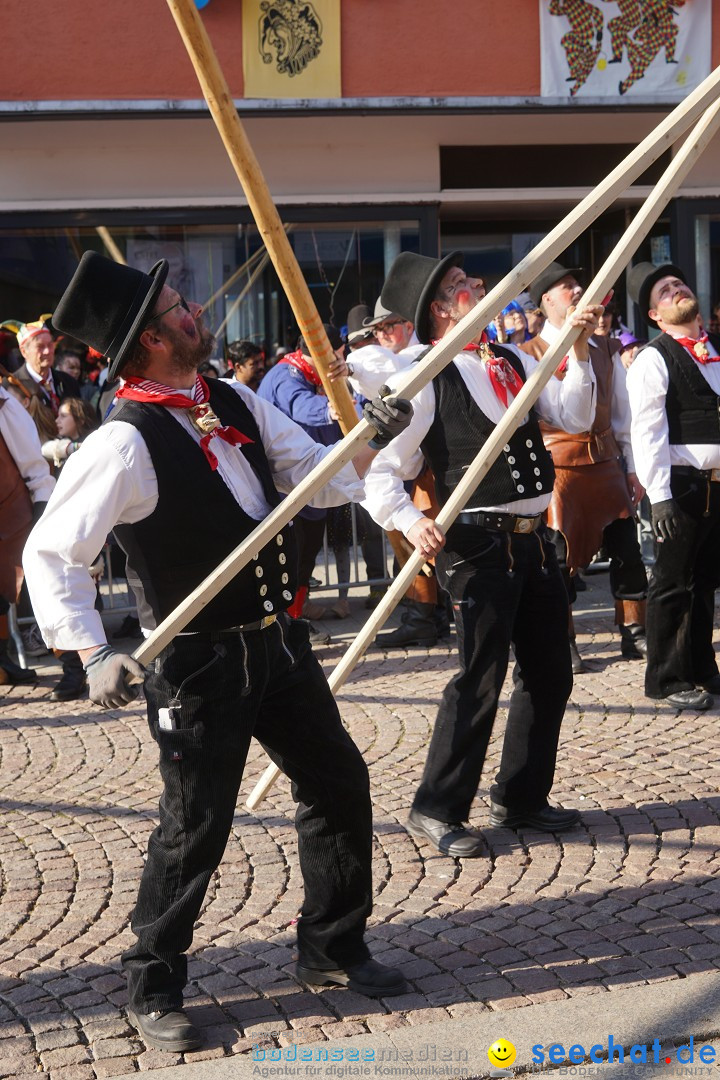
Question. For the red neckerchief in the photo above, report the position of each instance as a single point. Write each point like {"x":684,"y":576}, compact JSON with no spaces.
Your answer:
{"x":298,"y":361}
{"x":503,"y":376}
{"x":156,"y":393}
{"x":698,"y":348}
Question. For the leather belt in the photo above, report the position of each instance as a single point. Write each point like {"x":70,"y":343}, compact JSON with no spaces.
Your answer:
{"x":514,"y":523}
{"x":713,"y":475}
{"x":245,"y":628}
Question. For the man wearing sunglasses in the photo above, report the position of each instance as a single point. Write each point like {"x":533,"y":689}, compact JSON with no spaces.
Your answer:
{"x":183,"y":471}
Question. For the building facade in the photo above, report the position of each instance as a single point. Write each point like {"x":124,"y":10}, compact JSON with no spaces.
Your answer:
{"x":441,"y":138}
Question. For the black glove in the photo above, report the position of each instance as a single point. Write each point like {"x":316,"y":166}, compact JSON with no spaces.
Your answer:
{"x":665,"y":519}
{"x":388,"y":415}
{"x":38,"y":509}
{"x":106,"y":670}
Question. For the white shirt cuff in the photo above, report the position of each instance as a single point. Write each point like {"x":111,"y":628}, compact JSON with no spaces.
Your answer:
{"x":406,"y":518}
{"x":81,"y":630}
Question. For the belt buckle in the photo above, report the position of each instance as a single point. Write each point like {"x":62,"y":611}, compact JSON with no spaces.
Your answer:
{"x":523,"y":525}
{"x":715,"y":475}
{"x":267,"y":620}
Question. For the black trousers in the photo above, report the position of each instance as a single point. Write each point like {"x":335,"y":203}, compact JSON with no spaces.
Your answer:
{"x":628,"y":577}
{"x":506,"y":589}
{"x":265,"y":683}
{"x":681,"y":598}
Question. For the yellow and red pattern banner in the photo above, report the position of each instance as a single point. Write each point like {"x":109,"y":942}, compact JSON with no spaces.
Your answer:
{"x":624,"y":49}
{"x":291,"y":48}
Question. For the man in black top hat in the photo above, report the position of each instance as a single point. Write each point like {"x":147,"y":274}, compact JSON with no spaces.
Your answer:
{"x":183,"y":470}
{"x":674,"y":389}
{"x":498,"y":566}
{"x":596,"y":489}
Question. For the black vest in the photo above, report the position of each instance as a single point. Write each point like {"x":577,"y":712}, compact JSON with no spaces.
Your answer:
{"x":459,"y":431}
{"x":691,"y":405}
{"x":197,"y":523}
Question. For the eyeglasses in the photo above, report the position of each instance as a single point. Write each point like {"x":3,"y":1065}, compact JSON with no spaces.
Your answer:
{"x":182,"y":302}
{"x":387,"y":328}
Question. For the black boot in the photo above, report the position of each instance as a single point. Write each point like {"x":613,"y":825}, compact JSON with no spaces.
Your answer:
{"x":633,"y":642}
{"x":73,"y":682}
{"x":417,"y":627}
{"x":578,"y":664}
{"x":11,"y":674}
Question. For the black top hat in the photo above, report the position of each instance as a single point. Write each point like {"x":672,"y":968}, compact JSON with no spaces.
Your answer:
{"x":641,"y":279}
{"x":411,"y":285}
{"x":107,"y":305}
{"x":356,"y":328}
{"x":549,"y":277}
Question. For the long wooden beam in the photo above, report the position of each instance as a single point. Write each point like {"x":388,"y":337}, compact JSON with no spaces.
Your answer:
{"x":267,"y":219}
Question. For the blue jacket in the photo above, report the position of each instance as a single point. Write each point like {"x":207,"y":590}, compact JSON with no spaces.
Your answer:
{"x":287,"y":388}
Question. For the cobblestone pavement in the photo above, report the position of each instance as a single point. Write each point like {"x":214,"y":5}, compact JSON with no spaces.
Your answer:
{"x":628,"y":898}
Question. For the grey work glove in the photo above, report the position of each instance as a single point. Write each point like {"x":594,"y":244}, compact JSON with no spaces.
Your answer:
{"x":665,"y":519}
{"x":106,"y":671}
{"x":389,"y":415}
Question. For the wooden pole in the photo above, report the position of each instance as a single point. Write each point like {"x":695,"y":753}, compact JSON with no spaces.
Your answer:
{"x":232,"y":133}
{"x":524,"y":273}
{"x":668,"y":184}
{"x":110,"y":244}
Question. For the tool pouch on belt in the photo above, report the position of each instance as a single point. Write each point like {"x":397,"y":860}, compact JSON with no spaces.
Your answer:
{"x":587,"y":448}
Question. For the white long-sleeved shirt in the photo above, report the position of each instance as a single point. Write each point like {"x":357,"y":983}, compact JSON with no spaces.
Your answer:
{"x":647,"y":383}
{"x":373,"y":366}
{"x":23,"y":442}
{"x":620,"y":413}
{"x":569,"y":404}
{"x":110,"y":480}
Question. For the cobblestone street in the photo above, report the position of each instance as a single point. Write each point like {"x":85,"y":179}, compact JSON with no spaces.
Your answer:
{"x":629,"y":898}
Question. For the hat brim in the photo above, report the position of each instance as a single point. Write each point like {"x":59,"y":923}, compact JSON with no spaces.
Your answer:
{"x":422,"y":310}
{"x":375,"y":320}
{"x":158,"y":273}
{"x":547,"y":281}
{"x":647,"y":286}
{"x":359,"y":335}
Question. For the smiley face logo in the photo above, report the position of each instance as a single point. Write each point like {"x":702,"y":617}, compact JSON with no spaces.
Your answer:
{"x":502,"y":1053}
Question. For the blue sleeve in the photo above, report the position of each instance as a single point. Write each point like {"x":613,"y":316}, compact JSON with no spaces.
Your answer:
{"x":293,"y":395}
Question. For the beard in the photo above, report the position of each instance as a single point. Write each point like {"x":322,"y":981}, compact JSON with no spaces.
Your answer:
{"x":188,"y":354}
{"x":684,"y":310}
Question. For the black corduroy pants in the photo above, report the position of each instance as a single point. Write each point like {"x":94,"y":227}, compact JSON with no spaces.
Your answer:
{"x":506,"y":589}
{"x":232,"y":686}
{"x":681,"y":597}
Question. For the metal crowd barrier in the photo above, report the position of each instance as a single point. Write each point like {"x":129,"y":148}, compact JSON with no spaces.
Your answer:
{"x":118,"y":599}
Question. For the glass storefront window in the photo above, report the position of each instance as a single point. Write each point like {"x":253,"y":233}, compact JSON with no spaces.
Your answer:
{"x":224,"y":266}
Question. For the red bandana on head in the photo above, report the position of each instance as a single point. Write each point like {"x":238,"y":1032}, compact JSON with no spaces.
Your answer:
{"x":298,"y":361}
{"x":503,"y":376}
{"x":201,"y":414}
{"x":698,"y":348}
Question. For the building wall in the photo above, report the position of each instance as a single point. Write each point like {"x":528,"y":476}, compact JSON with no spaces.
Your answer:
{"x":350,"y":159}
{"x":83,"y":49}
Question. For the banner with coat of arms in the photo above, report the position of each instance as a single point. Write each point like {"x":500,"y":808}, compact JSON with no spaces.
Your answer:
{"x":624,"y":48}
{"x":291,"y":48}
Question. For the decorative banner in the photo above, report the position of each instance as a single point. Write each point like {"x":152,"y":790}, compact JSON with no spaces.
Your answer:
{"x":291,"y":48}
{"x":631,"y":48}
